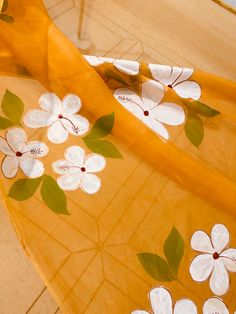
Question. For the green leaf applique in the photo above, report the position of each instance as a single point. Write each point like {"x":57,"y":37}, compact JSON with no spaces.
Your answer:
{"x":12,"y":106}
{"x":5,"y":123}
{"x":6,"y":18}
{"x":102,"y":127}
{"x":23,"y":189}
{"x":174,"y":250}
{"x":53,"y":196}
{"x":202,"y":109}
{"x":194,"y":129}
{"x":156,"y":267}
{"x":95,"y":139}
{"x":103,"y":147}
{"x":110,"y":74}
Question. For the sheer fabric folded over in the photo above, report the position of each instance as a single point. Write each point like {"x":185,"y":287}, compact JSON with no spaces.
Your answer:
{"x":119,"y":177}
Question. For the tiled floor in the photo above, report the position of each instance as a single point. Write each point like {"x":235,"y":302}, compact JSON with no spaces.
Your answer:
{"x":20,"y":285}
{"x":119,"y":29}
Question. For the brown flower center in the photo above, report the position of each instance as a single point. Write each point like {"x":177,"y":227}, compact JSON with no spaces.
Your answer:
{"x":19,"y":154}
{"x":146,"y":113}
{"x":216,"y":255}
{"x":82,"y":169}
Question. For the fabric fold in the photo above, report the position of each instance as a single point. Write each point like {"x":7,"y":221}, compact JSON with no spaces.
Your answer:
{"x":118,"y":176}
{"x":59,"y":66}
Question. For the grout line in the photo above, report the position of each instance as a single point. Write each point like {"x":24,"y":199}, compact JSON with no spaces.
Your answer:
{"x":61,"y":219}
{"x":127,"y":208}
{"x":123,"y":293}
{"x":144,"y":33}
{"x":116,"y":45}
{"x":93,"y":296}
{"x":54,"y":5}
{"x":78,"y":279}
{"x":63,"y":12}
{"x":40,"y":294}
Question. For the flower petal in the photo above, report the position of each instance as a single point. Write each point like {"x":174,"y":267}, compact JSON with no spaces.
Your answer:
{"x":33,"y":168}
{"x":219,"y":282}
{"x":57,"y":134}
{"x":139,"y":312}
{"x":163,"y":73}
{"x":76,"y":155}
{"x":157,"y":127}
{"x":16,"y":139}
{"x":183,"y":74}
{"x":63,"y":166}
{"x":5,"y":148}
{"x":214,"y":305}
{"x":219,"y":237}
{"x":107,"y":60}
{"x":96,"y":61}
{"x":51,"y":103}
{"x":126,"y":66}
{"x":229,"y":259}
{"x":169,"y":75}
{"x":69,"y":182}
{"x":201,"y":267}
{"x":168,"y":113}
{"x":38,"y":118}
{"x":10,"y":166}
{"x":188,"y":89}
{"x":201,"y":242}
{"x":35,"y":149}
{"x":94,"y":163}
{"x":90,"y":183}
{"x":71,"y":104}
{"x":152,"y":94}
{"x":131,"y":101}
{"x":185,"y":306}
{"x":161,"y":301}
{"x":93,"y":60}
{"x":76,"y":124}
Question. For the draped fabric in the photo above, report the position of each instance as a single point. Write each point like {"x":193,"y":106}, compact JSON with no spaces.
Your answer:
{"x":118,"y":176}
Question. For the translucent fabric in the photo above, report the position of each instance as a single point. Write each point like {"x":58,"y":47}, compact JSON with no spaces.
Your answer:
{"x":119,"y":177}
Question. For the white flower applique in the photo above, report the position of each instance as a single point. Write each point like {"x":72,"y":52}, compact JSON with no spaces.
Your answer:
{"x":22,"y":154}
{"x":60,"y":117}
{"x":161,"y":303}
{"x":77,"y":170}
{"x":124,"y":66}
{"x":149,"y":109}
{"x":176,"y":78}
{"x":214,"y":306}
{"x":215,"y":261}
